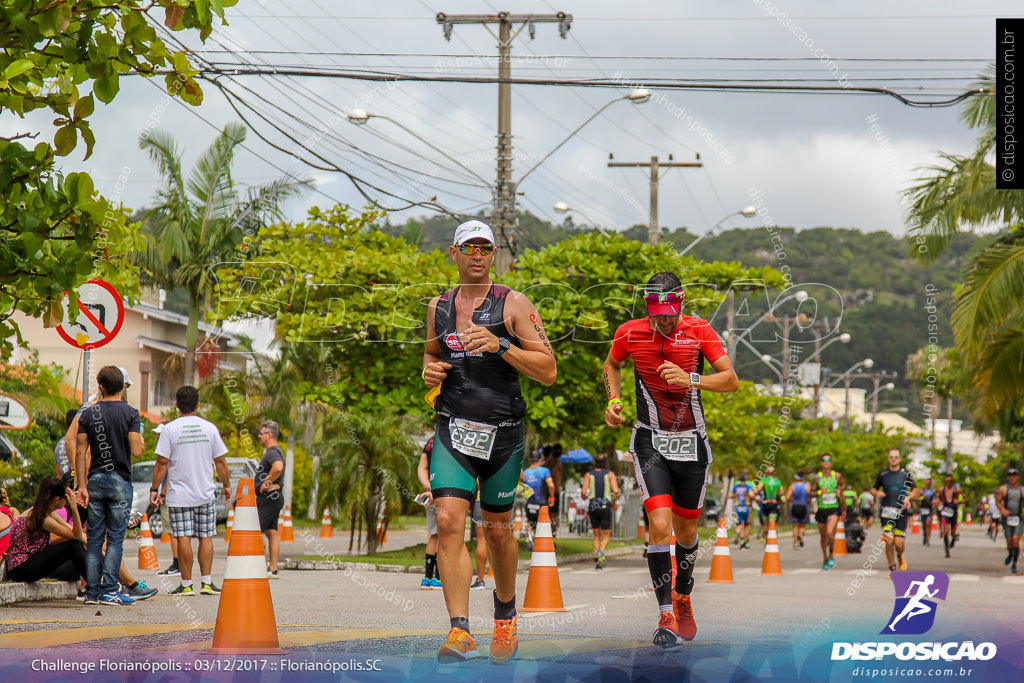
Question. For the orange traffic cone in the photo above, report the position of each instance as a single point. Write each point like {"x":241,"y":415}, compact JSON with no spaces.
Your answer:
{"x":935,"y":523}
{"x":640,"y":528}
{"x":517,"y":526}
{"x":721,"y":562}
{"x":916,"y":529}
{"x":326,"y":530}
{"x":967,"y":519}
{"x":543,"y":589}
{"x":165,"y":537}
{"x":771,"y":565}
{"x":245,"y":616}
{"x":231,"y":521}
{"x":287,"y":531}
{"x":147,"y":551}
{"x":839,"y":547}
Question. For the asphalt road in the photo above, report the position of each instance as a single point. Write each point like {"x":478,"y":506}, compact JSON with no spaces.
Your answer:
{"x":334,"y":615}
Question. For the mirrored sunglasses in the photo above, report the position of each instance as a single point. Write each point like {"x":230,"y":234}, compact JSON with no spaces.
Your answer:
{"x":470,"y":248}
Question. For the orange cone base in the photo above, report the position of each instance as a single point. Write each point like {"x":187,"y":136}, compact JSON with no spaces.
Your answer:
{"x":543,"y":591}
{"x":248,"y":627}
{"x":721,"y":570}
{"x":147,"y":558}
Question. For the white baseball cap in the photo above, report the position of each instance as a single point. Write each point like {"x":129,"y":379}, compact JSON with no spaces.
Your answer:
{"x":471,"y":230}
{"x":127,"y":379}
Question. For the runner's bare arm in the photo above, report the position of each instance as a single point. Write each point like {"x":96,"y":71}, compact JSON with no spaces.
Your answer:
{"x":723,"y":381}
{"x":434,"y":369}
{"x":534,"y":358}
{"x":1000,"y":498}
{"x":586,"y":486}
{"x":613,"y":387}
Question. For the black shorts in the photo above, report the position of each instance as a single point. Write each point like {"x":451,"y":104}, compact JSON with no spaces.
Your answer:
{"x":600,"y":517}
{"x":269,"y":509}
{"x":898,"y":526}
{"x":822,"y":515}
{"x":799,"y":513}
{"x":768,"y":509}
{"x":665,"y":483}
{"x":533,"y":512}
{"x":866,"y":512}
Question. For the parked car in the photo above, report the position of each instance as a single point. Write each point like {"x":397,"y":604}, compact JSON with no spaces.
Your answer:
{"x":712,"y":510}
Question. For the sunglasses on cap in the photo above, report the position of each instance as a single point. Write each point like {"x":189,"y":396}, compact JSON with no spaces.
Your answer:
{"x":663,"y":297}
{"x":470,"y":248}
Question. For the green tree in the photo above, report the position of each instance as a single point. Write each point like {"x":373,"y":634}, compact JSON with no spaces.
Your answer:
{"x":63,"y":56}
{"x":368,"y":467}
{"x":200,"y":221}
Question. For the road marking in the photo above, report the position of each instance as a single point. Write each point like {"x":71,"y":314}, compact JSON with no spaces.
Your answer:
{"x":1013,"y":579}
{"x":965,"y":577}
{"x":34,"y":639}
{"x":527,"y":615}
{"x":804,"y":570}
{"x":638,"y":571}
{"x":750,"y":570}
{"x":315,"y":637}
{"x":541,"y":649}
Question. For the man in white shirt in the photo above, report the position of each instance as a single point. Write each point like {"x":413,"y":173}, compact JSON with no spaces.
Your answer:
{"x":187,"y":451}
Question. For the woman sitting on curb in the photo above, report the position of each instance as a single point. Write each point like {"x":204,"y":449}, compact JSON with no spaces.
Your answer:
{"x":7,"y":517}
{"x":42,"y":545}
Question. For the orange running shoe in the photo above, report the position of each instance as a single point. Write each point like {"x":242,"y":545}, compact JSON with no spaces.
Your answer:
{"x":903,"y":564}
{"x":684,"y":616}
{"x":505,"y":643}
{"x":458,"y":647}
{"x":667,"y":633}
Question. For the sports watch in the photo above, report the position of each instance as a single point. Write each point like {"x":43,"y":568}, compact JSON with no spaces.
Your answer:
{"x":694,"y":379}
{"x":504,"y":345}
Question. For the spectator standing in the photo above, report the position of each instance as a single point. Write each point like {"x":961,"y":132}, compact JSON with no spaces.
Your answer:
{"x":269,"y":500}
{"x":109,"y":436}
{"x":188,"y":450}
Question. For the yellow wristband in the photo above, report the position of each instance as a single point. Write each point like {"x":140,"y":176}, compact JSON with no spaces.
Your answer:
{"x":423,"y":374}
{"x":614,"y":400}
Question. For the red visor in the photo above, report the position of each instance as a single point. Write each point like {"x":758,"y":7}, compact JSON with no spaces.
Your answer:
{"x":664,"y":303}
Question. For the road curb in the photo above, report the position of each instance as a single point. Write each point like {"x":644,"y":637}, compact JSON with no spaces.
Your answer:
{"x":11,"y":592}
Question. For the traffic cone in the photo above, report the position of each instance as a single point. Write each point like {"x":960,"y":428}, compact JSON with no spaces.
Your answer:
{"x":771,"y":565}
{"x":640,"y":528}
{"x":935,"y":523}
{"x":287,"y":531}
{"x":326,"y":530}
{"x":165,"y":538}
{"x":967,"y":519}
{"x":721,"y":562}
{"x":916,"y":529}
{"x":517,"y":526}
{"x":839,"y":547}
{"x":543,"y":589}
{"x":245,"y":615}
{"x":231,"y":521}
{"x":147,"y":551}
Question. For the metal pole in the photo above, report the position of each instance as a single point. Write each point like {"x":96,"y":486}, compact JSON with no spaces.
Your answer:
{"x":874,"y":400}
{"x":949,"y":434}
{"x":86,"y":357}
{"x":817,"y":382}
{"x":652,"y":227}
{"x":846,"y":411}
{"x":786,"y":322}
{"x":504,"y":223}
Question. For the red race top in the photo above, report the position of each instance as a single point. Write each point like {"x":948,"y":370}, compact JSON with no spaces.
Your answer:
{"x":659,"y":404}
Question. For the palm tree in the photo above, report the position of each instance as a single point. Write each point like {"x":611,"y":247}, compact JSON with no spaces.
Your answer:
{"x":200,"y":221}
{"x":368,"y":466}
{"x":988,"y":318}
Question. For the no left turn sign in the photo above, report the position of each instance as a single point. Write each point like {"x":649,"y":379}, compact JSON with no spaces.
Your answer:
{"x":97,"y":319}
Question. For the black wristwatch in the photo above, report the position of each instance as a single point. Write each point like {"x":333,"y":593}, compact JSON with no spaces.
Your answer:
{"x":504,"y":345}
{"x":155,"y":490}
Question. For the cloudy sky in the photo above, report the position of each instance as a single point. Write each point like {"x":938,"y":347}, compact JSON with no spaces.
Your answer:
{"x":834,"y":159}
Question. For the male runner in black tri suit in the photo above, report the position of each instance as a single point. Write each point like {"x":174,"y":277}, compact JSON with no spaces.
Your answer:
{"x":480,"y":337}
{"x":948,"y":498}
{"x":894,"y":487}
{"x":1010,"y":499}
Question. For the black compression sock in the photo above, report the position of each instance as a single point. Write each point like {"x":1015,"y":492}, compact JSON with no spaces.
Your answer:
{"x":686,"y":558}
{"x":503,"y":611}
{"x":945,"y":542}
{"x":461,"y":622}
{"x":430,"y":567}
{"x":659,"y":563}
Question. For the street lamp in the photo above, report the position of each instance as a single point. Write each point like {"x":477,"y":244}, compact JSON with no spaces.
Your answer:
{"x":799,"y":296}
{"x":636,"y":96}
{"x":562,"y":207}
{"x":845,"y":378}
{"x":746,"y":212}
{"x":889,"y":386}
{"x":361,"y":117}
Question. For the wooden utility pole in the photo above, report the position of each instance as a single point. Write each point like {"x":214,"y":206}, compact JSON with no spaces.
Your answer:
{"x":504,"y":216}
{"x":655,"y":166}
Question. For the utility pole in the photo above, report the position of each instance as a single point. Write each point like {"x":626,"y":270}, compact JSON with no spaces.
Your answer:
{"x":504,"y":216}
{"x":654,"y":165}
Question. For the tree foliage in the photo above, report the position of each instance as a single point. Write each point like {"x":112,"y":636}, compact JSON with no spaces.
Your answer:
{"x":63,"y":56}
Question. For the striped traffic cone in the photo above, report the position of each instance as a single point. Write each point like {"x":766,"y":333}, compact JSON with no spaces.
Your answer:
{"x":967,"y":519}
{"x":147,"y":551}
{"x":231,"y":522}
{"x":916,"y":528}
{"x":543,"y":589}
{"x":721,"y":561}
{"x":771,"y":565}
{"x":839,"y":547}
{"x":517,"y":526}
{"x":165,"y":538}
{"x":640,"y":528}
{"x":935,"y":523}
{"x":326,"y":530}
{"x":287,"y":531}
{"x":245,"y":615}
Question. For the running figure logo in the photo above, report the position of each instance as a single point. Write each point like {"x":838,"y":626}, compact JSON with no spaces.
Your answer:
{"x":914,"y":612}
